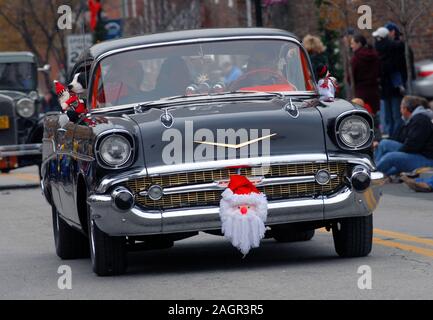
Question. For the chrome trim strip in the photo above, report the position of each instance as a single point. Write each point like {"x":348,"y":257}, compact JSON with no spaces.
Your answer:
{"x":217,"y":186}
{"x":192,"y":41}
{"x":96,"y":199}
{"x":298,"y":203}
{"x":146,"y":214}
{"x":253,"y":162}
{"x":363,"y":160}
{"x":211,"y":165}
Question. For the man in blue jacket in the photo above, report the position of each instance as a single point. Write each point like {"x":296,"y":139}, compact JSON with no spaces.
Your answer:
{"x":412,"y":146}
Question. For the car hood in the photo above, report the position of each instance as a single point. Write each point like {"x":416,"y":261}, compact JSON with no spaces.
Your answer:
{"x":16,"y":95}
{"x":210,"y":122}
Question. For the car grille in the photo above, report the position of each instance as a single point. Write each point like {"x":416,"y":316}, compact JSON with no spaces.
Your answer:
{"x":209,"y":198}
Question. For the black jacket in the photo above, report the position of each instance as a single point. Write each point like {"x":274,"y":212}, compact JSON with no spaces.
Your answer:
{"x":417,"y":136}
{"x":392,"y":58}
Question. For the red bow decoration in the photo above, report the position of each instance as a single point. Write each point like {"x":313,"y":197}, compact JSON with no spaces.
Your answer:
{"x":94,"y":8}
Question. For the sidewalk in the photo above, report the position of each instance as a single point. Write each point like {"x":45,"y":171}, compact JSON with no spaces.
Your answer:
{"x":20,"y":178}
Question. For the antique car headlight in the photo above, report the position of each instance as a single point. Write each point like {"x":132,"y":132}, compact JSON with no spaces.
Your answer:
{"x":354,"y":132}
{"x":25,"y":108}
{"x":115,"y":150}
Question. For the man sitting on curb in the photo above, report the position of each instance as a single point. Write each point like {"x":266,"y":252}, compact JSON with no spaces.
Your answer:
{"x":412,"y":146}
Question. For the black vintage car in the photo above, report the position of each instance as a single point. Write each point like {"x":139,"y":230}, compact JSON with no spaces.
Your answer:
{"x":173,"y":116}
{"x":21,"y":125}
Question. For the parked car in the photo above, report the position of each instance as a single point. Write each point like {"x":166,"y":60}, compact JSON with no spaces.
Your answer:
{"x":21,"y":125}
{"x":142,"y":168}
{"x":423,"y":85}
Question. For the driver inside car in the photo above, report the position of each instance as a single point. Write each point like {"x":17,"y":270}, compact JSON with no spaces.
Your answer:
{"x":262,"y":70}
{"x":123,"y":83}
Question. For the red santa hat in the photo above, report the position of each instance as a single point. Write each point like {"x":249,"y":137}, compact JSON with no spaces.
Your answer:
{"x":60,"y":88}
{"x":241,"y":192}
{"x":241,"y":185}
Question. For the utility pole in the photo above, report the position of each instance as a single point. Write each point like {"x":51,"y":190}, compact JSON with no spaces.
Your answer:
{"x":259,"y":20}
{"x":249,"y":13}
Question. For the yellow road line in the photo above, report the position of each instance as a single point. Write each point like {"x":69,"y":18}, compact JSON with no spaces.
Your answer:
{"x":403,"y":236}
{"x":405,"y":247}
{"x":402,"y":246}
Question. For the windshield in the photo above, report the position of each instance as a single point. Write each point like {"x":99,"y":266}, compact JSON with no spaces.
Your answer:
{"x":17,"y":76}
{"x":202,"y":68}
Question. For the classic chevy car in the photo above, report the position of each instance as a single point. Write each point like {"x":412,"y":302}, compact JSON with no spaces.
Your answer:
{"x":21,"y":127}
{"x":172,"y":116}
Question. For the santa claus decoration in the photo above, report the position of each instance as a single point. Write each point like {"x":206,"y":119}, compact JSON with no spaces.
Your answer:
{"x":243,"y":213}
{"x":69,"y":101}
{"x":328,"y":86}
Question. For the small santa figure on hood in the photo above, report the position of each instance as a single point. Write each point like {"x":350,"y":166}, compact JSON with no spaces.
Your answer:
{"x":328,"y":86}
{"x":243,"y":213}
{"x":68,"y":100}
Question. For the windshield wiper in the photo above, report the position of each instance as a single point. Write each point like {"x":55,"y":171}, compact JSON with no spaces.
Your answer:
{"x":277,"y":94}
{"x":149,"y":104}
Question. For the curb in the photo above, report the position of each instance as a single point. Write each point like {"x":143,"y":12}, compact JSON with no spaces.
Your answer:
{"x":19,"y":186}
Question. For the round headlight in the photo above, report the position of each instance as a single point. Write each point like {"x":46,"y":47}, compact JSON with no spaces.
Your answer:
{"x":115,"y":150}
{"x":354,"y":131}
{"x":25,"y":108}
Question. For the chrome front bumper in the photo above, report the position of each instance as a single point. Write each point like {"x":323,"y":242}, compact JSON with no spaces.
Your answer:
{"x":20,"y":150}
{"x":345,"y":203}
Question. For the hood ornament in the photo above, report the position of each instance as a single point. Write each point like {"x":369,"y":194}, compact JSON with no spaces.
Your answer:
{"x":167,"y":119}
{"x":235,"y":146}
{"x":291,"y":109}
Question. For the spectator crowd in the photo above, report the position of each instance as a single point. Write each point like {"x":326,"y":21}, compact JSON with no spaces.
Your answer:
{"x":403,"y":146}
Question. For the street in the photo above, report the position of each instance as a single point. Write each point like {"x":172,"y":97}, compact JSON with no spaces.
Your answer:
{"x":208,"y":267}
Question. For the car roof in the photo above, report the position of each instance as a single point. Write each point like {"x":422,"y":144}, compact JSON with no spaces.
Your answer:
{"x":107,"y":46}
{"x":17,"y":56}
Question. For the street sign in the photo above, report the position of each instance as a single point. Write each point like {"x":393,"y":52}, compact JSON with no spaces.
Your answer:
{"x":76,"y":44}
{"x":113,"y":29}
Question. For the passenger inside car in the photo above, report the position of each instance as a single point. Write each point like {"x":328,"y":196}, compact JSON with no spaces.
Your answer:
{"x":173,"y":79}
{"x":122,"y":83}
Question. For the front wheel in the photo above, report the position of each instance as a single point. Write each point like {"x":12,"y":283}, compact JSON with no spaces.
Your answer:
{"x":108,"y":253}
{"x":70,"y":243}
{"x":353,"y":237}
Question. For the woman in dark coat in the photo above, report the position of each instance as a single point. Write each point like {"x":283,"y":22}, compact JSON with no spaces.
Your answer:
{"x":366,"y":72}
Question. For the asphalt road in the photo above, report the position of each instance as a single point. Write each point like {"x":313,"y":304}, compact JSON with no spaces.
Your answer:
{"x":208,"y":267}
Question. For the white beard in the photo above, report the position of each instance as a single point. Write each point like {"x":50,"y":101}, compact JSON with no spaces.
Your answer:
{"x":243,"y":231}
{"x":62,"y":100}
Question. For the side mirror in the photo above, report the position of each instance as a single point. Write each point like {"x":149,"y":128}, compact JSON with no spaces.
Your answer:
{"x":45,"y":68}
